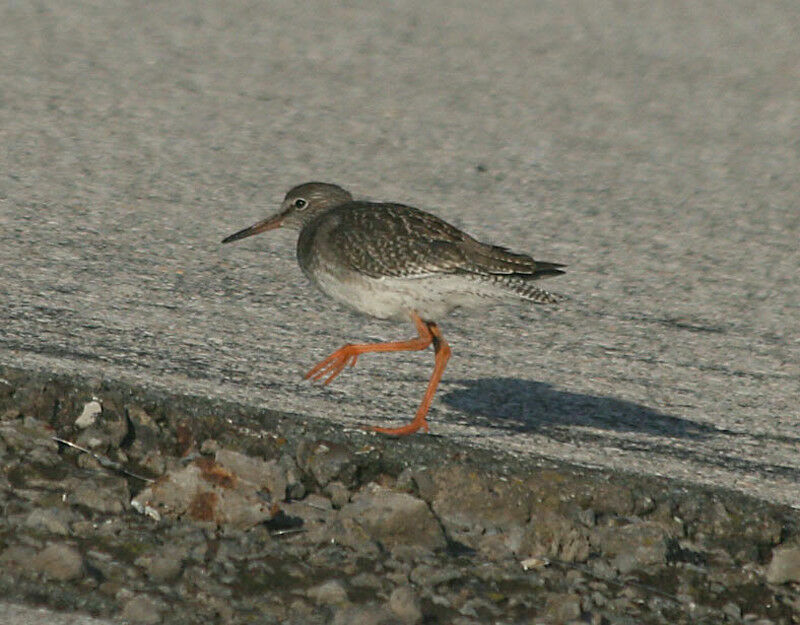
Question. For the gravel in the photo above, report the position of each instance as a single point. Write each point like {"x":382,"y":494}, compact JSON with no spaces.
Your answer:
{"x":258,"y":517}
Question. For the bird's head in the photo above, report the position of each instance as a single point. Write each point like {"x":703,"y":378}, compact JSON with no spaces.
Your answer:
{"x":301,"y":205}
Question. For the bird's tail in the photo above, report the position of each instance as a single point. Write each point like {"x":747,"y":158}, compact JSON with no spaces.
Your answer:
{"x":520,"y":285}
{"x":527,"y":290}
{"x":514,"y":273}
{"x":545,"y":270}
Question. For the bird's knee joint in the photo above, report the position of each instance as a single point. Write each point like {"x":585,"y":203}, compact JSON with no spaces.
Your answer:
{"x":441,"y":347}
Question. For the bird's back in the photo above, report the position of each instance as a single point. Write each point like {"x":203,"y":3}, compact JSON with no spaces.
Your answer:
{"x":391,"y":242}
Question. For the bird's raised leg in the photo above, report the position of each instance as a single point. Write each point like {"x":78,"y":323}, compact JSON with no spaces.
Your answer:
{"x":442,"y":356}
{"x":348,"y":354}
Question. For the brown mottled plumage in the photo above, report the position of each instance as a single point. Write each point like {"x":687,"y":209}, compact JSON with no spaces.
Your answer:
{"x":396,"y":261}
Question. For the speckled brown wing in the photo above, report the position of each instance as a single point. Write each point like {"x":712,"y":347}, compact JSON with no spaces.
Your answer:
{"x":392,"y":240}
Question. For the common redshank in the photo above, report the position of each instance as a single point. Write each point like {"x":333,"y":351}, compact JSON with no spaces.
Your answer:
{"x":392,"y":261}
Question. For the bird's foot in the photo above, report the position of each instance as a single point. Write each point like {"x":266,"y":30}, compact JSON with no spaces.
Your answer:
{"x":333,"y":364}
{"x":405,"y":430}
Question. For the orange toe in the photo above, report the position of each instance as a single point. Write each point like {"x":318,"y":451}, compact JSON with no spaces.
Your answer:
{"x":405,"y":430}
{"x":333,"y":364}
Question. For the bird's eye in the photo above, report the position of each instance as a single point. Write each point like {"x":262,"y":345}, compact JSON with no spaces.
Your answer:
{"x":300,"y":203}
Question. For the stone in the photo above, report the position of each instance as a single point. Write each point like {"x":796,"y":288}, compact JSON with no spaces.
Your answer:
{"x":331,"y":592}
{"x":500,"y":545}
{"x":53,"y":520}
{"x":59,"y":561}
{"x":561,"y":608}
{"x":263,"y":475}
{"x":404,"y":603}
{"x":733,"y":611}
{"x":366,"y":580}
{"x":28,"y":435}
{"x":91,"y":411}
{"x":314,"y":514}
{"x":153,"y":461}
{"x":338,"y":493}
{"x":104,"y":493}
{"x":785,"y":565}
{"x":165,"y":564}
{"x":552,"y":535}
{"x":106,"y":431}
{"x":348,"y":533}
{"x":209,"y":447}
{"x":313,"y":509}
{"x":632,"y":546}
{"x":146,"y":442}
{"x":470,"y":502}
{"x":607,"y":498}
{"x":205,"y":492}
{"x":295,"y":489}
{"x":412,"y":554}
{"x":394,"y":518}
{"x":7,"y":388}
{"x":140,"y":417}
{"x":426,"y":575}
{"x":16,"y":558}
{"x":369,"y":614}
{"x":327,"y":461}
{"x":417,"y":482}
{"x":141,"y":610}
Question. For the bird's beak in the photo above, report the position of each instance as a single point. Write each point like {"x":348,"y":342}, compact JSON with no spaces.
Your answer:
{"x":270,"y":223}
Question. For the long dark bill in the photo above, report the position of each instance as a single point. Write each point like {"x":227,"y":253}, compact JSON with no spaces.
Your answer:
{"x":270,"y":223}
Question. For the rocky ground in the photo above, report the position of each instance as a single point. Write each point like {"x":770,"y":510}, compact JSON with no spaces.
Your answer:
{"x":157,"y":509}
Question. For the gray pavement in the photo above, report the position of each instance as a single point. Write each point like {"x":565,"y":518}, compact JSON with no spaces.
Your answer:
{"x":654,"y":148}
{"x":11,"y":614}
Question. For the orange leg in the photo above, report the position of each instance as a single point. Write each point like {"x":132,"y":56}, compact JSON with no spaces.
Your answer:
{"x":348,"y":355}
{"x":442,"y":356}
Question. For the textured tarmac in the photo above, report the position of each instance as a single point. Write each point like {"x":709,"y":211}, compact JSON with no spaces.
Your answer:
{"x":19,"y":615}
{"x":653,"y":148}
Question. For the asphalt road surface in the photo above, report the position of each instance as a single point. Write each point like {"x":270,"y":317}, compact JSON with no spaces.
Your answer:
{"x":11,"y":614}
{"x":654,"y":148}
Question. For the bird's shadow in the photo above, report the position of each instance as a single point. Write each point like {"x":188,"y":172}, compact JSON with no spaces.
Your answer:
{"x":527,"y":406}
{"x":524,"y":406}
